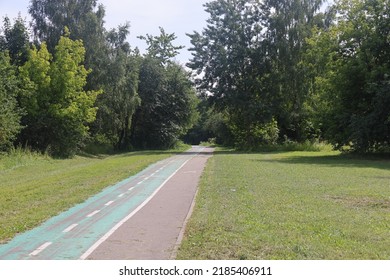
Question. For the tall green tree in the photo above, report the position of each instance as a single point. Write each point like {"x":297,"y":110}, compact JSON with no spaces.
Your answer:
{"x":354,"y":80}
{"x":234,"y":66}
{"x":146,"y":122}
{"x":58,"y":108}
{"x":10,"y":113}
{"x":85,"y":21}
{"x":168,"y":105}
{"x":83,"y":18}
{"x":15,"y":39}
{"x":289,"y":24}
{"x":168,"y":99}
{"x":248,"y":59}
{"x":120,"y":99}
{"x":161,"y":47}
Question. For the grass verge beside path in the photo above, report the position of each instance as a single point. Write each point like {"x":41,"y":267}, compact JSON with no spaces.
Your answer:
{"x":290,"y":205}
{"x":34,"y":188}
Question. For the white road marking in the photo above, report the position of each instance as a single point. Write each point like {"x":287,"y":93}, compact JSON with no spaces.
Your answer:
{"x":70,"y":228}
{"x":118,"y":225}
{"x":132,"y":188}
{"x":109,"y":203}
{"x":121,"y":195}
{"x":93,"y":213}
{"x":41,"y":248}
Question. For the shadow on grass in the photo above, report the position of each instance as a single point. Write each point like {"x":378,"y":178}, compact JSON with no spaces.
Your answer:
{"x":378,"y":161}
{"x":342,"y":160}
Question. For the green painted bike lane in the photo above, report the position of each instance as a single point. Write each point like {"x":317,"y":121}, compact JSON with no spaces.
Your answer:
{"x":71,"y":234}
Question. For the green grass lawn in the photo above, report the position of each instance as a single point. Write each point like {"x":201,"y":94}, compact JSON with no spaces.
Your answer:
{"x":34,"y":188}
{"x":291,"y":205}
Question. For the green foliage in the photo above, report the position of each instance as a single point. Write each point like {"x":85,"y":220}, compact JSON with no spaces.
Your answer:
{"x":288,"y":25}
{"x":269,"y":72}
{"x":161,"y":47}
{"x":168,"y":99}
{"x":15,"y":40}
{"x":168,"y":106}
{"x":248,"y":62}
{"x":354,"y":81}
{"x":10,"y":113}
{"x":279,"y":70}
{"x":182,"y":99}
{"x":50,"y":17}
{"x":217,"y":126}
{"x":199,"y":132}
{"x":256,"y":135}
{"x":85,"y":21}
{"x":120,"y":99}
{"x":58,"y":109}
{"x":232,"y":65}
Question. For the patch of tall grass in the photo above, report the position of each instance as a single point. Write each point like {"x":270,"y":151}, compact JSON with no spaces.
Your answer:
{"x":291,"y":146}
{"x":307,"y":146}
{"x":18,"y":156}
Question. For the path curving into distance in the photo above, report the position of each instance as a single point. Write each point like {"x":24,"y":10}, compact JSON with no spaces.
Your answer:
{"x":140,"y":218}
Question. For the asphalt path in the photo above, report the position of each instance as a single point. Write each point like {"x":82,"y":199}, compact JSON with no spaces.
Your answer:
{"x":142,"y":217}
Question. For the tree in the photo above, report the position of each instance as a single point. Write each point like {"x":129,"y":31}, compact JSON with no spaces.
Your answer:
{"x":10,"y":113}
{"x":50,"y":17}
{"x":36,"y":98}
{"x":58,"y":108}
{"x":146,"y":123}
{"x":181,"y":102}
{"x":289,"y":25}
{"x":85,"y":21}
{"x":114,"y":64}
{"x":248,"y":59}
{"x":15,"y":40}
{"x":120,"y":99}
{"x":168,"y":100}
{"x":210,"y":126}
{"x":233,"y":63}
{"x":355,"y":82}
{"x":161,"y":47}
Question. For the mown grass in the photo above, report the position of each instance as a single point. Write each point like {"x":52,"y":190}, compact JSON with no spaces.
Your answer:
{"x":35,"y":187}
{"x":291,"y":205}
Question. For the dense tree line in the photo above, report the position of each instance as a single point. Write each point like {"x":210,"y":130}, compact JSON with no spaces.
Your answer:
{"x":75,"y":82}
{"x":266,"y":72}
{"x":277,"y":70}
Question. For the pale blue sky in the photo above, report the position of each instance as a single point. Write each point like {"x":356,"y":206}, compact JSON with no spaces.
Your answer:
{"x":145,"y":16}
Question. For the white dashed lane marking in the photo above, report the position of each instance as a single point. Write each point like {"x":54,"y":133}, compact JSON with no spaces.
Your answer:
{"x":93,"y":213}
{"x":40,"y":249}
{"x":70,"y":228}
{"x":109,"y":203}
